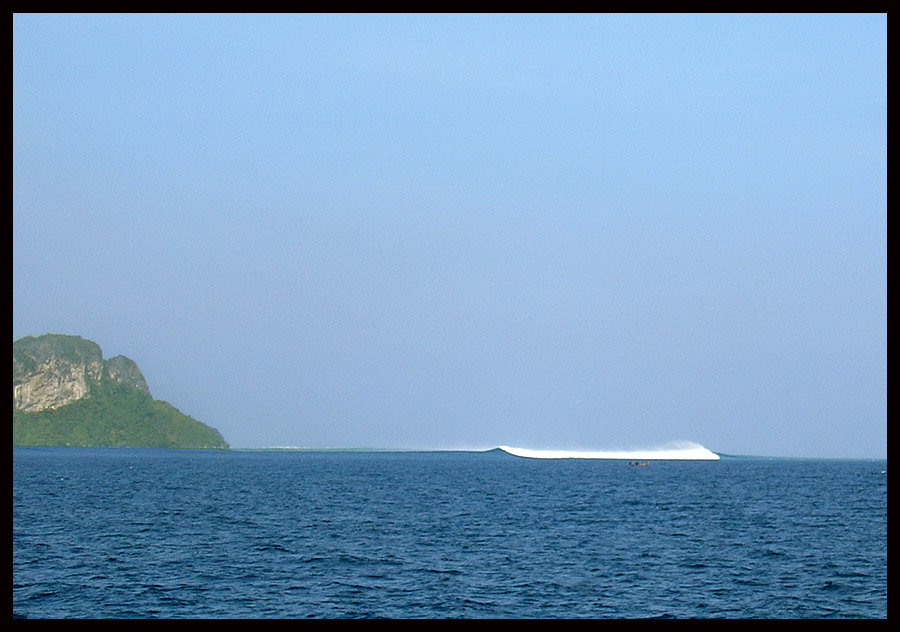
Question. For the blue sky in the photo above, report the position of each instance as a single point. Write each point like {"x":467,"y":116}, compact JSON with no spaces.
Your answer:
{"x":461,"y":231}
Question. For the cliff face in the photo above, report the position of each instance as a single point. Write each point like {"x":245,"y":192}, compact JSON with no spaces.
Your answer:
{"x":66,"y":394}
{"x":56,"y":370}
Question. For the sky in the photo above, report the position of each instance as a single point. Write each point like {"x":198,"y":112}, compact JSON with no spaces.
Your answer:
{"x":583,"y":232}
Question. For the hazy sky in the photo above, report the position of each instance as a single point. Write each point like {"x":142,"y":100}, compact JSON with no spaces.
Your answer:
{"x":463,"y":231}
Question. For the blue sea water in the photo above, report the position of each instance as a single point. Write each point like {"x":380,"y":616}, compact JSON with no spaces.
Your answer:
{"x":143,"y":533}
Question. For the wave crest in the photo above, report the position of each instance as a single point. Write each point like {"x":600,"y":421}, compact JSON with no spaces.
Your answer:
{"x":676,"y":451}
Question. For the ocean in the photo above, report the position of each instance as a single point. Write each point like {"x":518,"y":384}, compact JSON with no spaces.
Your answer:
{"x":178,"y":534}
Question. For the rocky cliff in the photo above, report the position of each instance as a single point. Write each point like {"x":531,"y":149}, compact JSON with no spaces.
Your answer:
{"x":56,"y":370}
{"x":65,"y":393}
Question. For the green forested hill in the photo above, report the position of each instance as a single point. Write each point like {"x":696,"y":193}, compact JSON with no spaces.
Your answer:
{"x":114,"y":413}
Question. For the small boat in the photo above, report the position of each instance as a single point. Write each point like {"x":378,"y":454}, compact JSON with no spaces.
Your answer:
{"x":638,"y":463}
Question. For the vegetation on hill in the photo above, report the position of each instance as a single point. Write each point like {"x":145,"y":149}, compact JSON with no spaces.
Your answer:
{"x":114,"y":415}
{"x":116,"y":412}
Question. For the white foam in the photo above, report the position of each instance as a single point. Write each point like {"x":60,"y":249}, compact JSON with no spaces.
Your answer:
{"x":671,"y":452}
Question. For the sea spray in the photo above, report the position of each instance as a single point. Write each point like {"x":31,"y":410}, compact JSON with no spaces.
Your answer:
{"x":680,"y":451}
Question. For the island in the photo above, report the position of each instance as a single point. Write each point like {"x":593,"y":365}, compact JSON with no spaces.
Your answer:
{"x":66,"y":395}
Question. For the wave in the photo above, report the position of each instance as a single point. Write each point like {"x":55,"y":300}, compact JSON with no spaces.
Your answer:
{"x":681,"y":451}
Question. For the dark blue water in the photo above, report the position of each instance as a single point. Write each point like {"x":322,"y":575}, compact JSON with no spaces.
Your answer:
{"x":187,"y":534}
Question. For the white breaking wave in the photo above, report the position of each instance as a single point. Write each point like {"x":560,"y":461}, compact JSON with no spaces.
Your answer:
{"x":682,"y":451}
